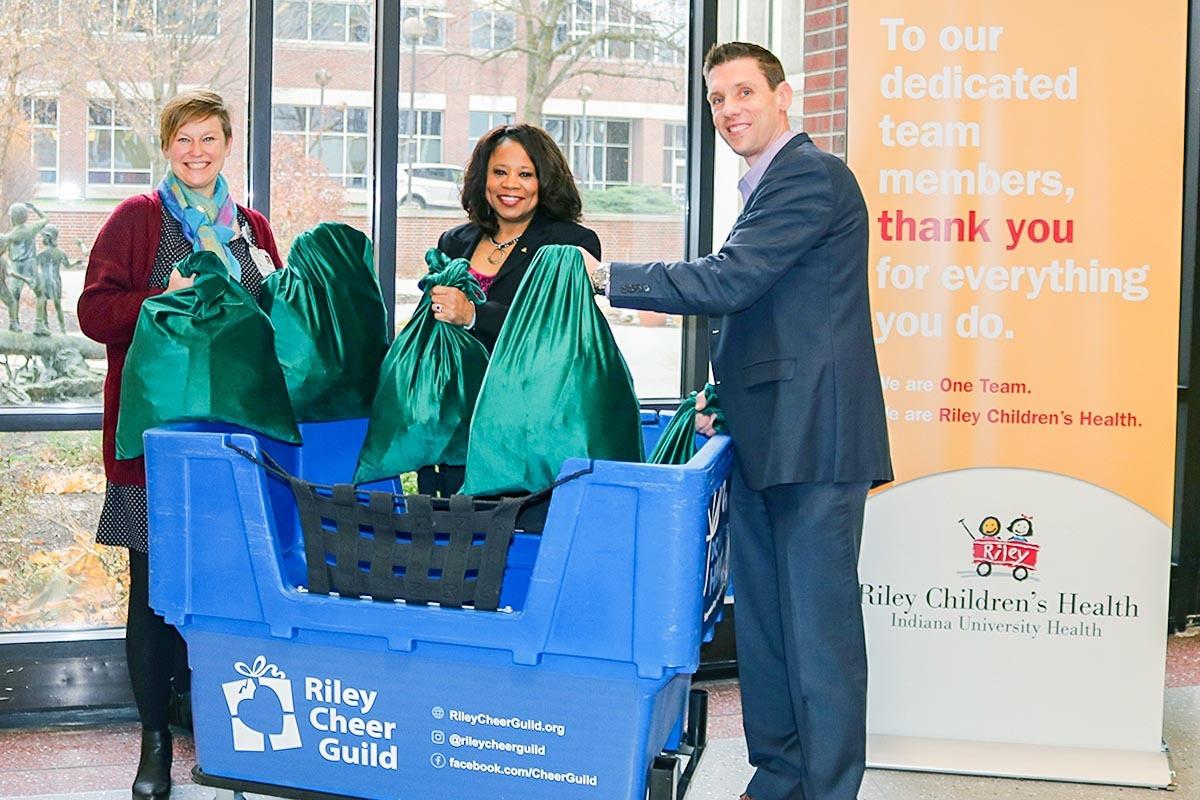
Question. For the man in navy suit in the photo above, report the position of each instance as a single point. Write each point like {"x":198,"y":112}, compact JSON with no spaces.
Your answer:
{"x":794,"y":357}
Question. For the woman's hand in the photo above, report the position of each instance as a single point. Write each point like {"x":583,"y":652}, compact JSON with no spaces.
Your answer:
{"x":451,"y":305}
{"x":177,"y":281}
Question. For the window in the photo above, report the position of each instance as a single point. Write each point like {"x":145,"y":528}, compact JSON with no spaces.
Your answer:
{"x":492,"y":30}
{"x":115,"y":155}
{"x":644,"y":35}
{"x":198,"y":17}
{"x":435,"y":25}
{"x":157,"y":17}
{"x":483,"y":121}
{"x":425,"y":144}
{"x":675,"y":159}
{"x":599,"y":154}
{"x":42,"y":113}
{"x":335,"y":137}
{"x":54,"y":574}
{"x":322,"y":108}
{"x":302,"y":20}
{"x":89,"y":88}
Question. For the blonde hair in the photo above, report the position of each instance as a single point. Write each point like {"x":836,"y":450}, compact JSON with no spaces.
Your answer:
{"x":189,"y":106}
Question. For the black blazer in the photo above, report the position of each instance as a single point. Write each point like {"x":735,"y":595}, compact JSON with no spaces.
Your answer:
{"x":460,"y":242}
{"x":791,"y":341}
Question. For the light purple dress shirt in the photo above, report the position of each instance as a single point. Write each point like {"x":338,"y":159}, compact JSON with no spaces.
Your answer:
{"x":749,"y":181}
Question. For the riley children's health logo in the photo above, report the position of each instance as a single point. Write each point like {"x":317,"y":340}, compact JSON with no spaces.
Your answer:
{"x":261,"y":708}
{"x":1003,"y":549}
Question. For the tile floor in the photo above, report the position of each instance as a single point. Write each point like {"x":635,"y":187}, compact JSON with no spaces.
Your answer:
{"x":96,"y":763}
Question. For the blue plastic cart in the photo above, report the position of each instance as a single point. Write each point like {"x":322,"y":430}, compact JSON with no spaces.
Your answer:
{"x":578,"y":687}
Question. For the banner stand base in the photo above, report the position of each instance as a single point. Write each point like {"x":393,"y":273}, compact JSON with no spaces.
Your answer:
{"x":1027,"y":761}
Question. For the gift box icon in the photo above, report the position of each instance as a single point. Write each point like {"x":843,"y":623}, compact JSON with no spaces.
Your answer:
{"x":261,"y":708}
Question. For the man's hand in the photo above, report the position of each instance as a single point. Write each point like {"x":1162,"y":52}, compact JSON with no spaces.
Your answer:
{"x":176,"y":281}
{"x":704,"y":422}
{"x":451,"y":305}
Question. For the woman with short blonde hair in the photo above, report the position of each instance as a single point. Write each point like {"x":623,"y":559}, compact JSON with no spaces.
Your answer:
{"x":133,"y":259}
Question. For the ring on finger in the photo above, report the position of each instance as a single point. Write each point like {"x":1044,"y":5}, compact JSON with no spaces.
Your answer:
{"x":437,"y":308}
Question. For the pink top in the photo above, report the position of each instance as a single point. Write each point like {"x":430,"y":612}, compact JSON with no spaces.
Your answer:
{"x":485,"y":281}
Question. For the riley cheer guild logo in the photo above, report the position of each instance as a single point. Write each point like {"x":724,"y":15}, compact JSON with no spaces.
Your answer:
{"x":261,"y":708}
{"x":992,"y":548}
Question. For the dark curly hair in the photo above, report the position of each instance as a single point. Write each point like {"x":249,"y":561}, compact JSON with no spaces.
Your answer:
{"x":557,"y":194}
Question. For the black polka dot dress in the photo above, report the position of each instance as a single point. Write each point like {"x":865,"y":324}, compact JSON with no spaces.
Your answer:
{"x":123,"y":520}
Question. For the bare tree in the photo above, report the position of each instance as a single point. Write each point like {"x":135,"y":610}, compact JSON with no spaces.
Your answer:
{"x":302,"y":193}
{"x":565,"y":39}
{"x":145,"y":51}
{"x":20,"y":177}
{"x":30,"y":39}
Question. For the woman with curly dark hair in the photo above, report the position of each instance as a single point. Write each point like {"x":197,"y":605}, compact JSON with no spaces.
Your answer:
{"x":520,"y":195}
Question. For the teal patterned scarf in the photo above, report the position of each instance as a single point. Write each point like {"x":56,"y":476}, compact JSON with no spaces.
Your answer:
{"x":208,"y":222}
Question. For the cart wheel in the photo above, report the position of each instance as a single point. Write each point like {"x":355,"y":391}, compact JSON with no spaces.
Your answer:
{"x":696,"y":733}
{"x":1020,"y":573}
{"x":664,"y":778}
{"x":983,"y":568}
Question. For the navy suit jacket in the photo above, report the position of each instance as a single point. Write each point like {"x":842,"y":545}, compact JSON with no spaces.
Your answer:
{"x":791,"y":338}
{"x":461,"y":241}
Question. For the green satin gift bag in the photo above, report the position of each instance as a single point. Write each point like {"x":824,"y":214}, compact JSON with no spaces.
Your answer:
{"x":330,"y":323}
{"x":557,"y":386}
{"x":677,"y":444}
{"x":204,"y":353}
{"x":427,"y":387}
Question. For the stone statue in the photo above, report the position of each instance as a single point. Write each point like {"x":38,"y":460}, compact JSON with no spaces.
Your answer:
{"x":6,"y":296}
{"x":22,"y":254}
{"x":51,"y":261}
{"x":85,"y":249}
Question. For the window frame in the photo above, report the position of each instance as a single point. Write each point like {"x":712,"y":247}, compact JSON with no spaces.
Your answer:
{"x":507,"y":118}
{"x":385,"y":126}
{"x":422,"y":137}
{"x":675,"y":151}
{"x":579,"y":22}
{"x":579,"y":148}
{"x":111,"y":128}
{"x":115,"y":23}
{"x":55,"y":654}
{"x":309,"y":20}
{"x":31,"y":102}
{"x":492,"y":15}
{"x":435,"y":41}
{"x":311,"y":138}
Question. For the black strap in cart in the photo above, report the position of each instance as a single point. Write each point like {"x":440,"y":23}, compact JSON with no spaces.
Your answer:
{"x":449,"y":551}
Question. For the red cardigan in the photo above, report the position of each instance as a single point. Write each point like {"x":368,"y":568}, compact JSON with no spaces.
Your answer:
{"x":118,"y":274}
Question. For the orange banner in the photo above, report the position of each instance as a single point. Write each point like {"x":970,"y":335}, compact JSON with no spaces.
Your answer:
{"x":1025,"y":192}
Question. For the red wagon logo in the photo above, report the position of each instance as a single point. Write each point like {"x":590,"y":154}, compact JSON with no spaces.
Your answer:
{"x":990,"y":549}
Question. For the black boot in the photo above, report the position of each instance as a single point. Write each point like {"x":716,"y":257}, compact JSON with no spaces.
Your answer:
{"x":153,"y":781}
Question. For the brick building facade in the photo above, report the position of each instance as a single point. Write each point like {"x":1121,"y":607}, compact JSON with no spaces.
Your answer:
{"x":824,"y":93}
